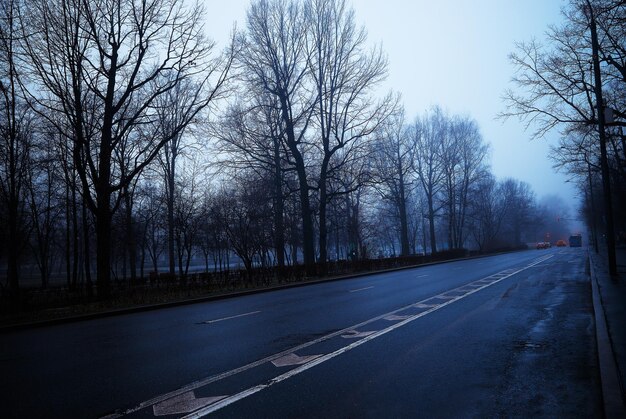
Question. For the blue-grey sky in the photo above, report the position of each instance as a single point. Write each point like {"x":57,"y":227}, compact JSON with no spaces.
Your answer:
{"x":453,"y":53}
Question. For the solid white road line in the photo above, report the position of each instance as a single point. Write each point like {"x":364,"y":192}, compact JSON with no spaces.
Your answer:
{"x":250,"y":391}
{"x":420,"y":304}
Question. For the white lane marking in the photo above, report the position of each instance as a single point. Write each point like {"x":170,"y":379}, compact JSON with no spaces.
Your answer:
{"x":208,"y":380}
{"x":293,"y":359}
{"x":422,"y":276}
{"x":352,"y":334}
{"x":541,"y":259}
{"x":252,"y":390}
{"x":361,"y":289}
{"x":183,"y":403}
{"x":395,"y":318}
{"x":230,"y":317}
{"x":422,"y":305}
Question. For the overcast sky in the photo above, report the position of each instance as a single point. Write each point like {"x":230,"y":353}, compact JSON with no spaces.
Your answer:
{"x":453,"y":53}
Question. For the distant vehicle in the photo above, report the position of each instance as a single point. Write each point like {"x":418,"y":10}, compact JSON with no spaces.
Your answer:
{"x":561,"y":243}
{"x":543,"y":245}
{"x":576,"y":240}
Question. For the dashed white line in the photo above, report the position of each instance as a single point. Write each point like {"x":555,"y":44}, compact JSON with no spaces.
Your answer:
{"x":230,"y":317}
{"x":361,"y":289}
{"x":422,"y":276}
{"x":347,"y":332}
{"x":318,"y":360}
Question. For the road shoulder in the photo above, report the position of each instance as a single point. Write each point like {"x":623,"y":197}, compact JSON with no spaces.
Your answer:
{"x":609,"y":298}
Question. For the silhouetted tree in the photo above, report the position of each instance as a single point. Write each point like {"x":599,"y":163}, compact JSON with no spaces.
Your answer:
{"x":275,"y":57}
{"x":557,"y":85}
{"x":15,"y":142}
{"x":429,"y":135}
{"x":486,"y":213}
{"x":100,"y":69}
{"x":394,"y":155}
{"x":344,"y":75}
{"x":464,"y":160}
{"x":251,"y":136}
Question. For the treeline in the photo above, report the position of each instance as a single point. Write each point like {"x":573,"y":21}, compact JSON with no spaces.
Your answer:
{"x":560,"y":86}
{"x":127,"y":139}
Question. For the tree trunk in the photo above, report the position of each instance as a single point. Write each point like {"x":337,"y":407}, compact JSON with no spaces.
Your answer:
{"x":68,"y":261}
{"x":179,"y":254}
{"x":307,"y":219}
{"x":305,"y":203}
{"x":130,"y":235}
{"x":323,"y":232}
{"x":431,"y":223}
{"x":103,"y":214}
{"x":13,"y":245}
{"x":404,"y":230}
{"x":86,"y":244}
{"x":170,"y":221}
{"x":279,"y":209}
{"x":103,"y":244}
{"x":404,"y":225}
{"x":142,"y":264}
{"x":75,"y":247}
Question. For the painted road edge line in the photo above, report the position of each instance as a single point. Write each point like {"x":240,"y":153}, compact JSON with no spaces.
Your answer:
{"x":211,"y":379}
{"x":252,"y":390}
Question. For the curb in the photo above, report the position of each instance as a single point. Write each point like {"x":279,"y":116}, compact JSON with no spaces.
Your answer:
{"x":611,"y":388}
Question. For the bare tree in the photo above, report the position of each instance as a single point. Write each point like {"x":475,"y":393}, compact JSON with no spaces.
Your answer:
{"x":464,"y":156}
{"x":251,"y":136}
{"x":274,"y":58}
{"x":393,"y":156}
{"x":562,"y":82}
{"x":104,"y":66}
{"x":150,"y":213}
{"x":15,"y":141}
{"x":45,"y":186}
{"x":520,"y":209}
{"x":486,"y":213}
{"x":245,"y":216}
{"x":171,"y":109}
{"x":187,"y":207}
{"x":344,"y":75}
{"x":429,"y":136}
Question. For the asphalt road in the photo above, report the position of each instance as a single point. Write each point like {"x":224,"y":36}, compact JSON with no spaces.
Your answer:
{"x":505,"y":336}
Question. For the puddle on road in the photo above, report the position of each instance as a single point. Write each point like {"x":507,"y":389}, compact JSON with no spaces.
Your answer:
{"x":529,"y":345}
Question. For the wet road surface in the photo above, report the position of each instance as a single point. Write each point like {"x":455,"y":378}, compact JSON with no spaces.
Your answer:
{"x":505,"y":336}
